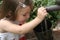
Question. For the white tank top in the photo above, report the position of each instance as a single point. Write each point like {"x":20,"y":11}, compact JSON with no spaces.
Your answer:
{"x":9,"y":36}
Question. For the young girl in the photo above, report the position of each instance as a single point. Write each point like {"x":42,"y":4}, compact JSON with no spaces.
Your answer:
{"x":14,"y":12}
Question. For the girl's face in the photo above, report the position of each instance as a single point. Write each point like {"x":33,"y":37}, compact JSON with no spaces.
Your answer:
{"x":23,"y":14}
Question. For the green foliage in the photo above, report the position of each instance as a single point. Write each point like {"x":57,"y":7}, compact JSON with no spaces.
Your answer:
{"x":1,"y":2}
{"x":52,"y":16}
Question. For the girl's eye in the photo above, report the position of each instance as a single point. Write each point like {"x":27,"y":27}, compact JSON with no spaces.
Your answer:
{"x":24,"y":15}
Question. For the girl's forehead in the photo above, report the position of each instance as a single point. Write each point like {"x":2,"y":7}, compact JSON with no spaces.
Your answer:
{"x":27,"y":8}
{"x":24,"y":10}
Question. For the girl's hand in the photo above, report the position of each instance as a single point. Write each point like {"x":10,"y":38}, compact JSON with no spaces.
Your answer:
{"x":41,"y":12}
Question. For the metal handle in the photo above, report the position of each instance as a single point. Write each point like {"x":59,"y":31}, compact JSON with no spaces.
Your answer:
{"x":53,"y":8}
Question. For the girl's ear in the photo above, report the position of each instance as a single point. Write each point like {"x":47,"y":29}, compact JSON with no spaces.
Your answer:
{"x":9,"y":13}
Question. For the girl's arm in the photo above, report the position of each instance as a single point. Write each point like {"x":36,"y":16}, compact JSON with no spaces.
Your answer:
{"x":25,"y":28}
{"x":10,"y":27}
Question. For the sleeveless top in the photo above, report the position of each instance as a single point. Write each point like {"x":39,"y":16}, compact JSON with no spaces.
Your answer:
{"x":9,"y":36}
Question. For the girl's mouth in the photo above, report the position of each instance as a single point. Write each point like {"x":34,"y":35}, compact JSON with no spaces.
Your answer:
{"x":22,"y":22}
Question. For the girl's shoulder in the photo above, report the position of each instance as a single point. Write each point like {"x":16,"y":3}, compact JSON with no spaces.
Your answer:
{"x":3,"y":22}
{"x":1,"y":25}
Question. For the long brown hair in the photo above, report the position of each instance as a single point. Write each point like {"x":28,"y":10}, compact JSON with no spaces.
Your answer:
{"x":11,"y":5}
